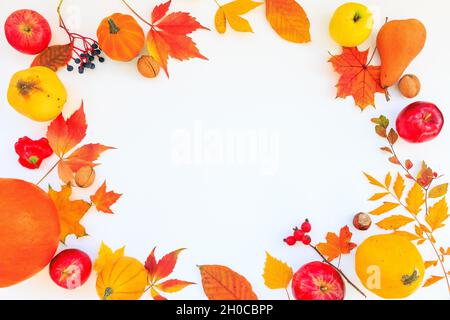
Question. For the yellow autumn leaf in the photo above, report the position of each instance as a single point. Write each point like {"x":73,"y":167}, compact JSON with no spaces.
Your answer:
{"x":277,"y":274}
{"x":388,"y":180}
{"x":432,"y":280}
{"x":106,"y":255}
{"x":429,"y":264}
{"x":438,"y":191}
{"x":399,"y":186}
{"x":374,"y":181}
{"x":394,"y":222}
{"x":231,"y":13}
{"x":385,"y":207}
{"x":437,"y":214}
{"x":289,"y":20}
{"x":407,"y":235}
{"x":415,"y":199}
{"x":378,"y":196}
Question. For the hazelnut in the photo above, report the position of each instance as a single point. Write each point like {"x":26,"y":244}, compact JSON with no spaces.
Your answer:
{"x":409,"y":86}
{"x":362,"y":221}
{"x":85,"y":176}
{"x":148,"y":67}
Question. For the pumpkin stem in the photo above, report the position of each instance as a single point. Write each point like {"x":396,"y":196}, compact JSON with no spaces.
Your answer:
{"x":410,"y":279}
{"x":108,"y":292}
{"x":113,"y":28}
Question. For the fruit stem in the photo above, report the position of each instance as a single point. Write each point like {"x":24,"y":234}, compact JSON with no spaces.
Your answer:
{"x":339,"y":271}
{"x":137,"y":15}
{"x":48,"y":172}
{"x":113,"y":28}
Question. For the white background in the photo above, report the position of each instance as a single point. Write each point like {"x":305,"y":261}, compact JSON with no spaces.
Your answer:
{"x":228,"y":213}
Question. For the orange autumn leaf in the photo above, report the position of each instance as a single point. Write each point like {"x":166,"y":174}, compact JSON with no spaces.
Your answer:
{"x":289,"y":20}
{"x":86,"y":155}
{"x":357,"y":78}
{"x":164,"y":267}
{"x":337,"y":245}
{"x":432,"y":280}
{"x":168,"y":36}
{"x":63,"y":135}
{"x":222,"y":283}
{"x":103,"y":199}
{"x":173,"y":285}
{"x":54,"y":57}
{"x":70,"y":212}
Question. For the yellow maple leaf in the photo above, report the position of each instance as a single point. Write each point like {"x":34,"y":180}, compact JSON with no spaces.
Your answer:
{"x":106,"y":255}
{"x":70,"y":212}
{"x":289,"y":20}
{"x":232,"y":12}
{"x":415,"y":199}
{"x":277,"y":274}
{"x":394,"y":222}
{"x":437,"y":214}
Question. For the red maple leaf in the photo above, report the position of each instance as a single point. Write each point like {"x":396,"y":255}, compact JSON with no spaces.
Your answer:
{"x":168,"y":36}
{"x":357,"y":77}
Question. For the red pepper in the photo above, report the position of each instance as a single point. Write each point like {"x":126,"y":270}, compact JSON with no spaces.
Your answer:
{"x":32,"y":152}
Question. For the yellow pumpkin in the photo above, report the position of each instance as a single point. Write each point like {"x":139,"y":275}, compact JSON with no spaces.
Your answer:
{"x":390,"y":266}
{"x":124,"y":278}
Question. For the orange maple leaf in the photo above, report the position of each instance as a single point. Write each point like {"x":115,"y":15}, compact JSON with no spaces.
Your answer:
{"x":168,"y":36}
{"x":70,"y":212}
{"x":357,"y":78}
{"x":63,"y":135}
{"x":103,"y":200}
{"x":337,"y":245}
{"x":161,"y":269}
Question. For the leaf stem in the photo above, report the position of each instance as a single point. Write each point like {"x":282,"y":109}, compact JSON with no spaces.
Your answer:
{"x":338,"y":270}
{"x":137,"y":14}
{"x":48,"y":172}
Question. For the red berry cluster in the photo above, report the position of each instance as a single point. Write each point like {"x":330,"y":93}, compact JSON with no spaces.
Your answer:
{"x":300,"y":235}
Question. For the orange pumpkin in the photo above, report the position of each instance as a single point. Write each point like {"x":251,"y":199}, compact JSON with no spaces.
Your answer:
{"x":29,"y":230}
{"x":120,"y":37}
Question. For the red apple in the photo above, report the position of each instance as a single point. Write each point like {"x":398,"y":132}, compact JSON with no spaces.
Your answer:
{"x":70,"y":268}
{"x":318,"y":281}
{"x":420,"y":122}
{"x":27,"y":31}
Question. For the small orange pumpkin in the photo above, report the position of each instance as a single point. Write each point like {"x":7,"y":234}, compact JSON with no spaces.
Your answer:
{"x":120,"y":37}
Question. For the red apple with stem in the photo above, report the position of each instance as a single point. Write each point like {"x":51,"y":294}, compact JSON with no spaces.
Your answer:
{"x":27,"y":31}
{"x":420,"y":122}
{"x":318,"y":281}
{"x":70,"y":269}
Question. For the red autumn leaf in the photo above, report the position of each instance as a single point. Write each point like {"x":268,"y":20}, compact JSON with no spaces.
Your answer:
{"x":63,"y":135}
{"x":164,"y":267}
{"x":173,"y":285}
{"x":54,"y":57}
{"x":85,"y":156}
{"x":103,"y":200}
{"x":168,"y":36}
{"x":337,"y":245}
{"x":357,"y":78}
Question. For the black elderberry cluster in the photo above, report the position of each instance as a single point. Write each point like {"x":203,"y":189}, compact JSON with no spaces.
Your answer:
{"x":86,"y":60}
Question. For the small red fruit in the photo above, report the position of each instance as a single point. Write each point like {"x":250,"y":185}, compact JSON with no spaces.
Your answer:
{"x":27,"y":31}
{"x":420,"y":122}
{"x":306,"y":226}
{"x":290,"y":241}
{"x":70,"y":269}
{"x":299,"y":234}
{"x":306,"y":240}
{"x":318,"y":281}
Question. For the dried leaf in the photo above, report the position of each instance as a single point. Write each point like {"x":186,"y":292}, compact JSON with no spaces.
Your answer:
{"x":394,"y":160}
{"x":232,"y":12}
{"x":385,"y":207}
{"x":392,"y":136}
{"x":408,"y":164}
{"x":386,"y":149}
{"x":64,"y":135}
{"x":399,"y":186}
{"x":432,"y":280}
{"x":289,"y":20}
{"x":394,"y":222}
{"x":378,"y":196}
{"x":381,"y":131}
{"x":382,"y":121}
{"x":106,"y":255}
{"x":438,"y":191}
{"x":54,"y":57}
{"x":174,"y":285}
{"x":337,"y":245}
{"x":70,"y":212}
{"x":437,"y":215}
{"x":415,"y":199}
{"x":103,"y":200}
{"x":222,"y":283}
{"x":277,"y":274}
{"x":357,"y":79}
{"x":407,"y":235}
